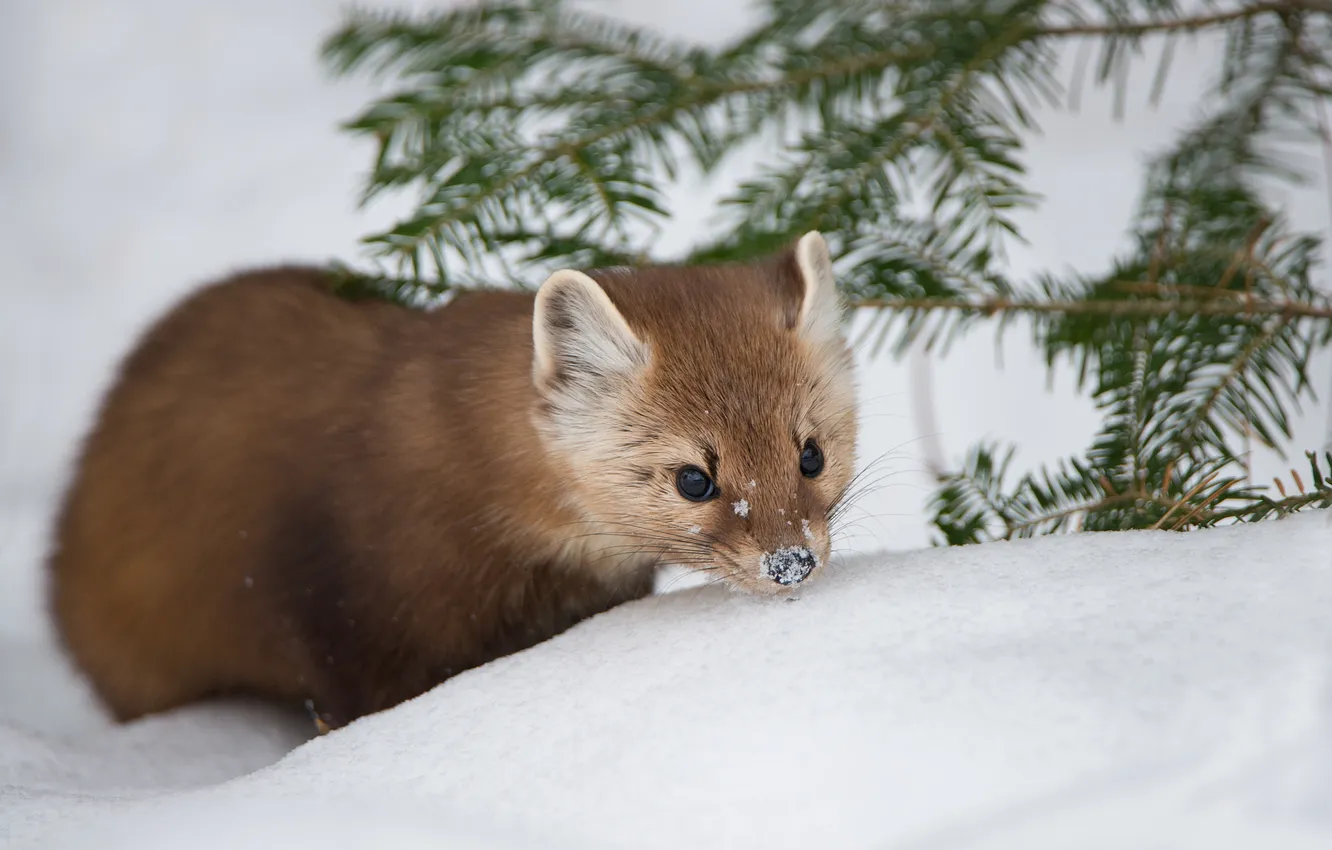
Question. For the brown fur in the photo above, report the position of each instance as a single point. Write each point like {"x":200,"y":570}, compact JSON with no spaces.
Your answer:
{"x":303,"y":497}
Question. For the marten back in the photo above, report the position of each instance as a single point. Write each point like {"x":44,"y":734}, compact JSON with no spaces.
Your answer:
{"x":270,"y":487}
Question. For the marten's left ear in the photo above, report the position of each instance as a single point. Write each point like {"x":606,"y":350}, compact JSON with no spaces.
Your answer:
{"x":579,"y":339}
{"x":820,"y":316}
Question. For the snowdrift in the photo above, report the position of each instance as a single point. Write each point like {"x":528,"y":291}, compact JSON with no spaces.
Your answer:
{"x":1115,"y":690}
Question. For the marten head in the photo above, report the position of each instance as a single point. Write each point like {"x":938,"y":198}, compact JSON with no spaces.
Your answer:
{"x":707,"y":413}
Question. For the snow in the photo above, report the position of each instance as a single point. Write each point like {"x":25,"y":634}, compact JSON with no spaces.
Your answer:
{"x":1094,"y":691}
{"x":741,"y":508}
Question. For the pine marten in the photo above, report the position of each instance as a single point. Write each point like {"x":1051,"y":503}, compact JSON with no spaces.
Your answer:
{"x":341,"y":503}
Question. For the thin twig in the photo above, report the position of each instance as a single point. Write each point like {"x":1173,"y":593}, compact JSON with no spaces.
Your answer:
{"x":1193,"y":491}
{"x":1143,"y":287}
{"x":1201,"y":506}
{"x":1281,"y":506}
{"x":1244,"y":257}
{"x":991,"y":306}
{"x":1192,"y":24}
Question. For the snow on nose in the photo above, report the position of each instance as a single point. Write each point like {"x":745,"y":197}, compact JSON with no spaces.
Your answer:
{"x":788,"y":565}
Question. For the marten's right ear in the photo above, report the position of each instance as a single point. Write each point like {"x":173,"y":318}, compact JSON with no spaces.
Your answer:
{"x":579,"y":337}
{"x":820,"y":304}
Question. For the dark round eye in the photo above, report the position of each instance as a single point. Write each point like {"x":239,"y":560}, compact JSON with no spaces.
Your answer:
{"x":811,"y":459}
{"x":694,"y":484}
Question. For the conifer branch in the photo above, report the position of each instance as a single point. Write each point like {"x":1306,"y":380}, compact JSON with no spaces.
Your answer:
{"x":1198,"y":420}
{"x":538,"y":137}
{"x":1194,"y":23}
{"x":1126,"y":309}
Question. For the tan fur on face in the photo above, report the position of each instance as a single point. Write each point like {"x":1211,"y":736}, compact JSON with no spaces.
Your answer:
{"x":745,"y":363}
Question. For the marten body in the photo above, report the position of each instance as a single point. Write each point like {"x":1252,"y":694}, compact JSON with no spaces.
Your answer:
{"x":343,"y":503}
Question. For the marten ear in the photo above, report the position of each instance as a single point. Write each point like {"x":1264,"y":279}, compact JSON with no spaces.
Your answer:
{"x":578,"y":335}
{"x":820,"y":316}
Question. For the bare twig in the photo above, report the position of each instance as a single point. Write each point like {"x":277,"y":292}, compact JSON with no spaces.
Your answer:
{"x":1193,"y":491}
{"x":1199,"y":508}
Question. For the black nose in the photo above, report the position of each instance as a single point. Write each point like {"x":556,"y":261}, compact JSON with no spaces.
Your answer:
{"x":788,"y":565}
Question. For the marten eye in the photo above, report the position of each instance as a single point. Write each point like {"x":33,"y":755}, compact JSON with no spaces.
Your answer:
{"x":811,"y":460}
{"x":694,"y":484}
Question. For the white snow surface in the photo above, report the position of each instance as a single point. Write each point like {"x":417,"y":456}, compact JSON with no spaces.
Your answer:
{"x":1123,"y":690}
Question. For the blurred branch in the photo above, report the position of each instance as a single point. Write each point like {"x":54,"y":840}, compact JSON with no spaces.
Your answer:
{"x":1192,"y":23}
{"x":993,"y":306}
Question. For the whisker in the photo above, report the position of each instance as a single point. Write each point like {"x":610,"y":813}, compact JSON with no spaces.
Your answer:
{"x":852,"y":499}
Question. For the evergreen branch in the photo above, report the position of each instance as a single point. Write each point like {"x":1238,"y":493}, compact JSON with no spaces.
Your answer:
{"x":1285,"y":311}
{"x":543,"y":136}
{"x":697,"y":95}
{"x":970,"y":502}
{"x":1121,"y":443}
{"x":1198,"y":417}
{"x":1123,"y":309}
{"x":923,"y":124}
{"x":1194,"y":23}
{"x":1266,"y":508}
{"x":1059,"y":517}
{"x":1255,"y":506}
{"x":481,"y":78}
